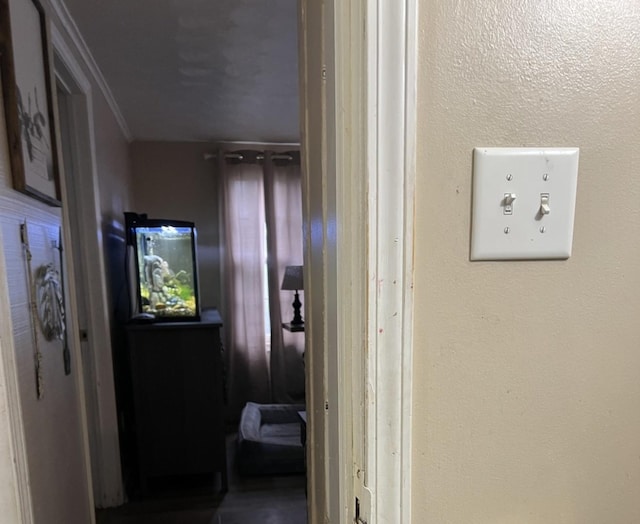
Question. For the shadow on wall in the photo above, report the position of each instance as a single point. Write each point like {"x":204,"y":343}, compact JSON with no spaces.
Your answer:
{"x":113,"y":234}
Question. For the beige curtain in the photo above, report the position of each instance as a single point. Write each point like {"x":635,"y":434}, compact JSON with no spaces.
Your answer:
{"x":245,"y":251}
{"x":283,"y":206}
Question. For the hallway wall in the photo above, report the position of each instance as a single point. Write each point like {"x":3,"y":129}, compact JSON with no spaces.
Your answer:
{"x":60,"y":487}
{"x":526,"y":374}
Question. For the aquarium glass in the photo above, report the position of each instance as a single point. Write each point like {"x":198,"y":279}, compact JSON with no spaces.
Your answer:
{"x":167,"y":282}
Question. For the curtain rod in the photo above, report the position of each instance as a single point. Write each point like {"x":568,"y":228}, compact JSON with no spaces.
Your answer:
{"x":238,"y":156}
{"x":226,"y":144}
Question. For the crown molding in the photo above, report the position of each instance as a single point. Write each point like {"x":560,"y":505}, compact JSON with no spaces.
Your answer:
{"x":71,"y":29}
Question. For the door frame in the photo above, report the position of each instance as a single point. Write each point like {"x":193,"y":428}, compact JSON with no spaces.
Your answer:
{"x":358,"y":63}
{"x":98,"y":389}
{"x":359,"y":147}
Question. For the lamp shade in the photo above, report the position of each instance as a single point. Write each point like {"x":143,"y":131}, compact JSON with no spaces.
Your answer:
{"x":292,"y":278}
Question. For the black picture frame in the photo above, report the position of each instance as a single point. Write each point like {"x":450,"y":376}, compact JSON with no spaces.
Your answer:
{"x":29,"y":100}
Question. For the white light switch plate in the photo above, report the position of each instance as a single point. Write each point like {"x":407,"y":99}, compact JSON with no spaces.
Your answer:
{"x":523,"y":202}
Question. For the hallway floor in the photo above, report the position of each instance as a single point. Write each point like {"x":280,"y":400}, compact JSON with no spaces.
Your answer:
{"x":263,"y":500}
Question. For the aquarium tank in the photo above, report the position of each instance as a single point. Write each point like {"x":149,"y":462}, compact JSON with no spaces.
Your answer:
{"x":165,"y":268}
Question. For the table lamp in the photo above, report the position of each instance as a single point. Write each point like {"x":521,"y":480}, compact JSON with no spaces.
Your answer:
{"x":293,"y":281}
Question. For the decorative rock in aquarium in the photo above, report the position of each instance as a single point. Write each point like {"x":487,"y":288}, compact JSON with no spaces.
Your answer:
{"x":164,"y":290}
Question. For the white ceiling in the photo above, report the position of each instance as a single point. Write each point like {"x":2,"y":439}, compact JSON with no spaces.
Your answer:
{"x":198,"y":70}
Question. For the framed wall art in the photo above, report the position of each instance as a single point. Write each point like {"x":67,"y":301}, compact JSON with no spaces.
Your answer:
{"x":27,"y":86}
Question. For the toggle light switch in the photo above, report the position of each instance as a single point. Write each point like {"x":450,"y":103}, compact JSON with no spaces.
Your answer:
{"x":508,"y":200}
{"x":502,"y":229}
{"x":544,"y":204}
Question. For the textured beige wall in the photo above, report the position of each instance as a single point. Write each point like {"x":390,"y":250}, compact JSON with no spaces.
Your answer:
{"x":173,"y":180}
{"x":527,"y":374}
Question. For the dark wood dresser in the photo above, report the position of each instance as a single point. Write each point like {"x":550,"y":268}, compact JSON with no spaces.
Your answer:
{"x":178,"y":394}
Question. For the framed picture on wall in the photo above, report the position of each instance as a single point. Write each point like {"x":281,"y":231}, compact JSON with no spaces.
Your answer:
{"x":27,"y":88}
